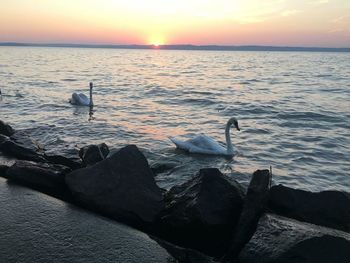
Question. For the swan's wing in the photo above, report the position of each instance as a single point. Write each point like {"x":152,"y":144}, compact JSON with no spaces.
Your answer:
{"x":80,"y":99}
{"x":206,"y":143}
{"x":180,"y":144}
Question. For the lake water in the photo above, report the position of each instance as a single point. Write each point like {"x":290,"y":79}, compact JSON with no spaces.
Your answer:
{"x":293,"y":107}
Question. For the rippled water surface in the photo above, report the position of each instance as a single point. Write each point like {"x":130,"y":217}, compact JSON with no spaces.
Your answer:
{"x":293,"y":108}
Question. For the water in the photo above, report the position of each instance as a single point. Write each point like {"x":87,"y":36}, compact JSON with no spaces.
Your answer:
{"x":293,"y":108}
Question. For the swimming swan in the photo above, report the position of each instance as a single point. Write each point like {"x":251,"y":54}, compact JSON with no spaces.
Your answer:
{"x":206,"y":145}
{"x":82,"y":99}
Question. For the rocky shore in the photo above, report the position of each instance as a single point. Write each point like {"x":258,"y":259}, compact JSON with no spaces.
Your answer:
{"x":210,"y":218}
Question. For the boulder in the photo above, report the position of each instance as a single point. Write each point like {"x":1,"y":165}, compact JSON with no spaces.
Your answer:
{"x":322,"y":249}
{"x":281,"y":239}
{"x":3,"y":170}
{"x":254,"y":205}
{"x":44,"y":177}
{"x":184,"y":255}
{"x":121,"y":186}
{"x":9,"y":147}
{"x":6,"y":129}
{"x":92,"y":154}
{"x":62,"y":160}
{"x":202,"y":212}
{"x":327,"y":208}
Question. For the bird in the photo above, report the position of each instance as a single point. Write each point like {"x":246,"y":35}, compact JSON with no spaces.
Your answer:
{"x":81,"y":99}
{"x":204,"y":144}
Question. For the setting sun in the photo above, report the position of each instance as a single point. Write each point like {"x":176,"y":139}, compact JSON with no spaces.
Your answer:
{"x":156,"y":40}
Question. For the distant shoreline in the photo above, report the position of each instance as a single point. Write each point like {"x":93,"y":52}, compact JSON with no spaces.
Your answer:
{"x":185,"y":47}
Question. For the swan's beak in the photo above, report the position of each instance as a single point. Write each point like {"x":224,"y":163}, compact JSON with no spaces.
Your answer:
{"x":237,"y":127}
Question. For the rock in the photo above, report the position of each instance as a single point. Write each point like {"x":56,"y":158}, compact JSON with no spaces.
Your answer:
{"x":121,"y":186}
{"x":328,"y":208}
{"x":62,"y":160}
{"x":184,"y":255}
{"x":38,"y":228}
{"x":3,"y":170}
{"x":202,"y":212}
{"x":9,"y":147}
{"x":277,"y":238}
{"x":6,"y":129}
{"x":45,"y":177}
{"x":322,"y":249}
{"x":92,"y":154}
{"x":254,"y":206}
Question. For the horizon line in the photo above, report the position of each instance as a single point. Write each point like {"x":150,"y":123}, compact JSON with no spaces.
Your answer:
{"x":210,"y":47}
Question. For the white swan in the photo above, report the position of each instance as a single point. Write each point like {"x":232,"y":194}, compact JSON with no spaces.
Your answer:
{"x":81,"y":99}
{"x":206,"y":145}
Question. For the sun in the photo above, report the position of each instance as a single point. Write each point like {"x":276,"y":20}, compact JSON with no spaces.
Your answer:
{"x":156,"y":40}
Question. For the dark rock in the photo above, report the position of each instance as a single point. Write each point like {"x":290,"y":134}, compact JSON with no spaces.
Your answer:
{"x":62,"y":160}
{"x":93,"y":154}
{"x":37,"y":228}
{"x":328,"y":208}
{"x":3,"y":170}
{"x":322,"y":249}
{"x":42,"y":176}
{"x":6,"y":129}
{"x":9,"y":147}
{"x":254,"y":205}
{"x":23,"y":138}
{"x":184,"y":255}
{"x":202,"y":212}
{"x":278,"y":238}
{"x":121,"y":186}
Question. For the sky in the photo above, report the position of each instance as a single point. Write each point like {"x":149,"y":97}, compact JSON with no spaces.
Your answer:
{"x":321,"y":23}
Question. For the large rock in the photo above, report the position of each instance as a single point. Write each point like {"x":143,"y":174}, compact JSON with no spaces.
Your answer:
{"x":45,"y":177}
{"x":202,"y":212}
{"x":37,"y":228}
{"x":9,"y":147}
{"x":279,"y":239}
{"x":254,"y":205}
{"x":121,"y":186}
{"x":92,"y":154}
{"x":6,"y":129}
{"x":328,"y":208}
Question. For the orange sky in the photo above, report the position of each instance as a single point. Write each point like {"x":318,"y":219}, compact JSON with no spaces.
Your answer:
{"x":222,"y":22}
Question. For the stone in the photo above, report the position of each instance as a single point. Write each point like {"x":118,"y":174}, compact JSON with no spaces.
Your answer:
{"x":278,"y":238}
{"x":327,"y":208}
{"x":45,"y":177}
{"x":254,"y":206}
{"x":6,"y":129}
{"x":92,"y":154}
{"x":184,"y":255}
{"x":9,"y":147}
{"x":38,"y":228}
{"x":121,"y":186}
{"x":202,"y":212}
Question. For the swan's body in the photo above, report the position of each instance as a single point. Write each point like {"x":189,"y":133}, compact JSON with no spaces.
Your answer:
{"x":204,"y":144}
{"x":81,"y":99}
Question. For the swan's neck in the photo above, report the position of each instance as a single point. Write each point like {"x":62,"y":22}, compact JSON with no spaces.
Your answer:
{"x":228,"y":139}
{"x":91,"y":102}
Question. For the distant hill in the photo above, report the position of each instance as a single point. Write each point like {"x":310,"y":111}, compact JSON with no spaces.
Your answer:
{"x":186,"y":47}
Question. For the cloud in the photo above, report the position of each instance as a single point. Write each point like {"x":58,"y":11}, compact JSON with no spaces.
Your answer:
{"x":290,"y":12}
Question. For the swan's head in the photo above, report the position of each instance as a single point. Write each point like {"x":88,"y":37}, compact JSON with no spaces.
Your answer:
{"x":233,"y":121}
{"x":91,"y":85}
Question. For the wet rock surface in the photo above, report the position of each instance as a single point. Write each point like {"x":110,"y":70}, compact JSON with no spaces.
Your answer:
{"x":202,"y":212}
{"x":276,"y":237}
{"x":121,"y":186}
{"x":38,"y":228}
{"x":327,"y":208}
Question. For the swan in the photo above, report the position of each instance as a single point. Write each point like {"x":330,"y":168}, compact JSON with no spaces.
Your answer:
{"x":204,"y":144}
{"x":81,"y":99}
